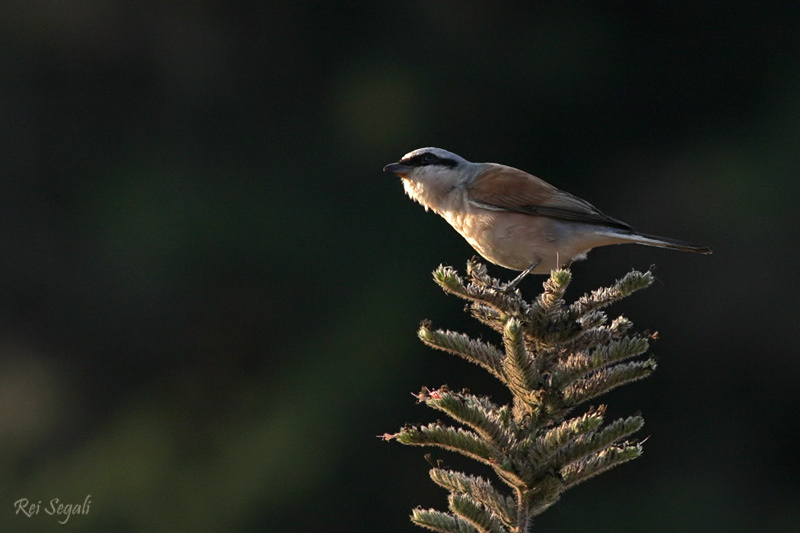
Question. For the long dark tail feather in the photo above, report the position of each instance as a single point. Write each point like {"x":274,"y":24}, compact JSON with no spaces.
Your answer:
{"x":666,"y":242}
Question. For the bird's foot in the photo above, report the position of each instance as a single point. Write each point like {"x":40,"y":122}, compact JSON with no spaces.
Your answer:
{"x":512,"y":285}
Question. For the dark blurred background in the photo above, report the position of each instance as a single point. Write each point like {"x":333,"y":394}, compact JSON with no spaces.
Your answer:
{"x":209,"y":292}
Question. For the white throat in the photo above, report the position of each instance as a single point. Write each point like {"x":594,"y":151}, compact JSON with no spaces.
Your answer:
{"x":422,"y":194}
{"x":439,"y":190}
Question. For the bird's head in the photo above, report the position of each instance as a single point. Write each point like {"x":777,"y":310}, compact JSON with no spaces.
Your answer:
{"x":433,"y":167}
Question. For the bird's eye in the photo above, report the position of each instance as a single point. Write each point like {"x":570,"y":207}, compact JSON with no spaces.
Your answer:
{"x":429,"y":159}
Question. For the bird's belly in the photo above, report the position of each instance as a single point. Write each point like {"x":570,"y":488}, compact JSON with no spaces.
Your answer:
{"x":515,"y":240}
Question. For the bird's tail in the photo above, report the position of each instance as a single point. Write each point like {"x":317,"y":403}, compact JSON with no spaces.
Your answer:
{"x":666,"y":242}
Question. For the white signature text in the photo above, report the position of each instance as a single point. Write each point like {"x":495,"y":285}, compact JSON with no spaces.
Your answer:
{"x":62,"y":511}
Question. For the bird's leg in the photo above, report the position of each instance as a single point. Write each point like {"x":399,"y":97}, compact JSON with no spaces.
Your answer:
{"x":511,"y":285}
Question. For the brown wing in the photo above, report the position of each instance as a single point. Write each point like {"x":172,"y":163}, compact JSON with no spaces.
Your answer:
{"x":510,"y":189}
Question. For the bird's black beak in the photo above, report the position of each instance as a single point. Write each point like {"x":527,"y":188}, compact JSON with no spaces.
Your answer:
{"x":397,"y":168}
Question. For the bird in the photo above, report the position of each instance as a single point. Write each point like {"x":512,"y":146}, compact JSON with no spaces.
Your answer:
{"x":511,"y":218}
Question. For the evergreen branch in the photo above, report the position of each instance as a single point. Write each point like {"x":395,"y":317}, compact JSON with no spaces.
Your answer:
{"x":454,"y":439}
{"x":475,"y":351}
{"x":518,"y":366}
{"x":597,"y":463}
{"x":592,"y":319}
{"x":620,"y":326}
{"x":552,"y":298}
{"x":488,"y":316}
{"x":553,"y":440}
{"x":501,"y":302}
{"x":621,"y":349}
{"x":549,"y":304}
{"x":602,"y":381}
{"x":596,"y":441}
{"x":449,"y":280}
{"x":474,"y":513}
{"x":579,"y":364}
{"x":597,"y":335}
{"x":478,"y":290}
{"x":480,"y":414}
{"x":560,"y":331}
{"x":508,"y":475}
{"x":442,"y":522}
{"x":633,"y":281}
{"x":477,"y":272}
{"x":545,"y":493}
{"x":490,"y":291}
{"x":479,"y":489}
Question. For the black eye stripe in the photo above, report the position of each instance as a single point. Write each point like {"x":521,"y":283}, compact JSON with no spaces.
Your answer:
{"x":428,"y":158}
{"x":421,"y":160}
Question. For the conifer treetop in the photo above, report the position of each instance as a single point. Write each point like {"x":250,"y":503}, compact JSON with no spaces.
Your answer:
{"x":553,"y":357}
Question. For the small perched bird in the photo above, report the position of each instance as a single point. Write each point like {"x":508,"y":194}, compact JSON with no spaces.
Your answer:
{"x":512,"y":218}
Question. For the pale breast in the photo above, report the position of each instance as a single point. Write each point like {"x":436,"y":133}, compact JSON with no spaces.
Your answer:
{"x":515,"y":240}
